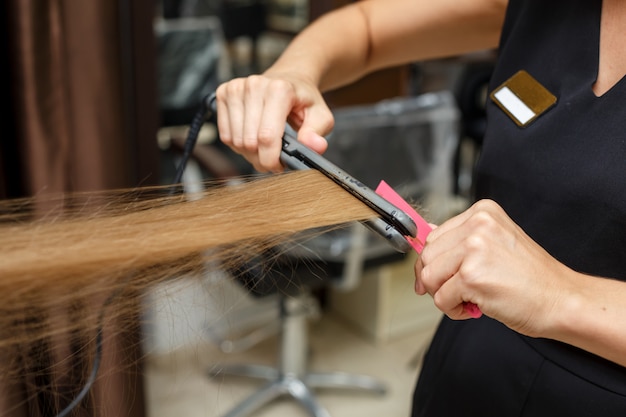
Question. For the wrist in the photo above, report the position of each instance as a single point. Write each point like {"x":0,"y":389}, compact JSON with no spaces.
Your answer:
{"x":299,"y":63}
{"x":587,"y":312}
{"x":561,"y":319}
{"x":591,"y":315}
{"x":292,"y":73}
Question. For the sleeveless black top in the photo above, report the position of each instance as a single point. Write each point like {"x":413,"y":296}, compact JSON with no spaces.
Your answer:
{"x":563,"y":180}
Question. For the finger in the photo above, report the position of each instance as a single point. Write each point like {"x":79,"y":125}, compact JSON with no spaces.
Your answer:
{"x":318,"y":121}
{"x":233,"y":107}
{"x":449,"y":299}
{"x":467,"y":232}
{"x":277,"y":106}
{"x":449,"y":224}
{"x":436,"y":270}
{"x":253,"y":110}
{"x":314,"y":141}
{"x":487,"y":207}
{"x":223,"y":121}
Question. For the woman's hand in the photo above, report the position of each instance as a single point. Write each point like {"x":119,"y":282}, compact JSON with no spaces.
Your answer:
{"x":252,"y":112}
{"x":482,"y":256}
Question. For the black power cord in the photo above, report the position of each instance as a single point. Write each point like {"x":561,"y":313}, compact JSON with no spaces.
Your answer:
{"x":96,"y":360}
{"x":207,"y":108}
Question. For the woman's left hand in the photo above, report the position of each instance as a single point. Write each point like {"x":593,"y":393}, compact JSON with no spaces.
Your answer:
{"x":481,"y":256}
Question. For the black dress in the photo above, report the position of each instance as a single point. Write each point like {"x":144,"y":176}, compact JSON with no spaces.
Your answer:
{"x":563,"y":180}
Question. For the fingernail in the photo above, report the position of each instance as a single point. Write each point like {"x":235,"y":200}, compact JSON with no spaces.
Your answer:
{"x":472,"y":309}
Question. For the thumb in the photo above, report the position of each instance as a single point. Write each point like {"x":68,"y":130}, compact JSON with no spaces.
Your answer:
{"x":318,"y":121}
{"x":311,"y":139}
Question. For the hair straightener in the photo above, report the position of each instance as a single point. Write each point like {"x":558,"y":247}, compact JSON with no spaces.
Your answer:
{"x":394,"y":225}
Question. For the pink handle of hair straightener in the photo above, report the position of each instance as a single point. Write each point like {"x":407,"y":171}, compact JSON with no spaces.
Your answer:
{"x":423,"y":229}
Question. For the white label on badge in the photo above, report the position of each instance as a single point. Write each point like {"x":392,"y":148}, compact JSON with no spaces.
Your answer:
{"x":514,"y":105}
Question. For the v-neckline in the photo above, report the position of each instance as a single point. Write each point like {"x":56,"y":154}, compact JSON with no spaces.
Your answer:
{"x":598,"y":57}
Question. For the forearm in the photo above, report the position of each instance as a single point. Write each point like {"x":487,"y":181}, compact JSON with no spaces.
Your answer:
{"x":591,"y":314}
{"x":332,"y":51}
{"x":343,"y":45}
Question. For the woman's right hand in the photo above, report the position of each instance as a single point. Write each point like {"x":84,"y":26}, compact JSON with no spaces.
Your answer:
{"x":252,"y":112}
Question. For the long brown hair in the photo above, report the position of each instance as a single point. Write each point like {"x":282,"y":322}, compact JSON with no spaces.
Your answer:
{"x":92,"y":254}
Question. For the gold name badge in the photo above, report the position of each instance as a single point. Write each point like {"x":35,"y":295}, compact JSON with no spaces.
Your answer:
{"x":522,"y":98}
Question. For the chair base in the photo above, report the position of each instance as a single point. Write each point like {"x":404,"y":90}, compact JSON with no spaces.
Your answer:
{"x":298,"y":388}
{"x":292,"y":377}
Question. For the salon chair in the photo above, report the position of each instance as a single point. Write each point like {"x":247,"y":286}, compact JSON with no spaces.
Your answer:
{"x":408,"y":142}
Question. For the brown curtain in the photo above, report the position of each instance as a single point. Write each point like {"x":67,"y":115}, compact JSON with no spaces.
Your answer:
{"x":81,"y":118}
{"x":68,"y":124}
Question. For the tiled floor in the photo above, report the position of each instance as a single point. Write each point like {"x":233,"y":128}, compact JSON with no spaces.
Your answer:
{"x":177,"y":384}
